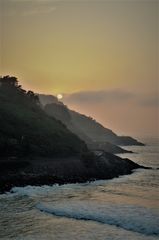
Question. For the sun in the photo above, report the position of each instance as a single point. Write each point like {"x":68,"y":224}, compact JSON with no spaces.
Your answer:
{"x":59,"y":96}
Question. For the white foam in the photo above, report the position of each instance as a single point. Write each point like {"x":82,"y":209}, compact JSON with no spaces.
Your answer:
{"x":129,"y":217}
{"x":37,"y":191}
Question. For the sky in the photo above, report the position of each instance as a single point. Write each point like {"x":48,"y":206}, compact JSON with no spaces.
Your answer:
{"x":101,"y":55}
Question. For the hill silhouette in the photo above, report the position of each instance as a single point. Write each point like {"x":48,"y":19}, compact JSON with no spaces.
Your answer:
{"x":38,"y":149}
{"x":25,"y":129}
{"x":88,"y":129}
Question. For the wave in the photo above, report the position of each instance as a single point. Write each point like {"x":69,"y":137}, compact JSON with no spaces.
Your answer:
{"x":34,"y":191}
{"x":129,"y":217}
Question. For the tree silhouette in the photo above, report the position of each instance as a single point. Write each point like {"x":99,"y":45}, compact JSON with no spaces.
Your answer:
{"x":33,"y":97}
{"x":9,"y":81}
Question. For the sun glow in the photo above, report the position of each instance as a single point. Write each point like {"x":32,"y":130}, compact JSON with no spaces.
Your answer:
{"x":59,"y":96}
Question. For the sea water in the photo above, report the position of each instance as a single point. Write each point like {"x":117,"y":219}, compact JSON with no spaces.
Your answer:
{"x":117,"y":209}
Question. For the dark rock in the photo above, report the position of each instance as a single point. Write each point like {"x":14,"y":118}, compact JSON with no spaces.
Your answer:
{"x":46,"y":171}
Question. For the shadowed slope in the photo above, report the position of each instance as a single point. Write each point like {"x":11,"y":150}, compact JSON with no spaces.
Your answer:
{"x":25,"y":129}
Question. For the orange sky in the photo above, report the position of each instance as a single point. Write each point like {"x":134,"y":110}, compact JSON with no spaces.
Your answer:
{"x":102,"y":55}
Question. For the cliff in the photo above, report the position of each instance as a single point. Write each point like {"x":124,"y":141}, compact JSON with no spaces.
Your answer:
{"x":93,"y":133}
{"x":25,"y":129}
{"x":39,"y":171}
{"x":37,"y":149}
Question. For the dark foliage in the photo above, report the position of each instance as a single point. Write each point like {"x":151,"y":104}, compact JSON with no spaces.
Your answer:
{"x":88,"y":158}
{"x":25,"y":129}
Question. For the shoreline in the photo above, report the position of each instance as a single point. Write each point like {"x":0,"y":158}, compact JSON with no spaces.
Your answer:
{"x":40,"y":171}
{"x":21,"y":181}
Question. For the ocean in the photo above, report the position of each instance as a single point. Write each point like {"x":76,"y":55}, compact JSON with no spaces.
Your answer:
{"x":122,"y":208}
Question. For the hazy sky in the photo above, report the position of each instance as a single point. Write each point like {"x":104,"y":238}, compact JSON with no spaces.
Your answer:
{"x":102,"y":55}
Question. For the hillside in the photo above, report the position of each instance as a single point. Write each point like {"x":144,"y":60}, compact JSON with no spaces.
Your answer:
{"x":25,"y":129}
{"x":99,"y":133}
{"x":36,"y":149}
{"x":93,"y":133}
{"x":62,"y":113}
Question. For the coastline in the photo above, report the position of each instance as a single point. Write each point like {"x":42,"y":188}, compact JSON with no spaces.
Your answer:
{"x":21,"y":181}
{"x":47,"y":171}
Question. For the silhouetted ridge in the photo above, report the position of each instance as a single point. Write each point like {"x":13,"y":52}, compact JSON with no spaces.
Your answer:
{"x":26,"y":129}
{"x":47,"y":99}
{"x":88,"y":129}
{"x":37,"y":149}
{"x":98,"y":133}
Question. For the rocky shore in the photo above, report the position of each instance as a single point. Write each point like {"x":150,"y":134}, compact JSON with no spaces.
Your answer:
{"x":81,"y":147}
{"x":47,"y":171}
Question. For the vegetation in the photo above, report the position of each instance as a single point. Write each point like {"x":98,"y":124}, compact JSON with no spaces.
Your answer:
{"x":25,"y":129}
{"x":89,"y":159}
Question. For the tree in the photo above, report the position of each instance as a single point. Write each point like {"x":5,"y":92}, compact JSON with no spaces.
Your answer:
{"x":33,"y":96}
{"x":9,"y":81}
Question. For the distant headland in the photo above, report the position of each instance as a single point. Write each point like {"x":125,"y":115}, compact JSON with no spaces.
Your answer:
{"x":42,"y":141}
